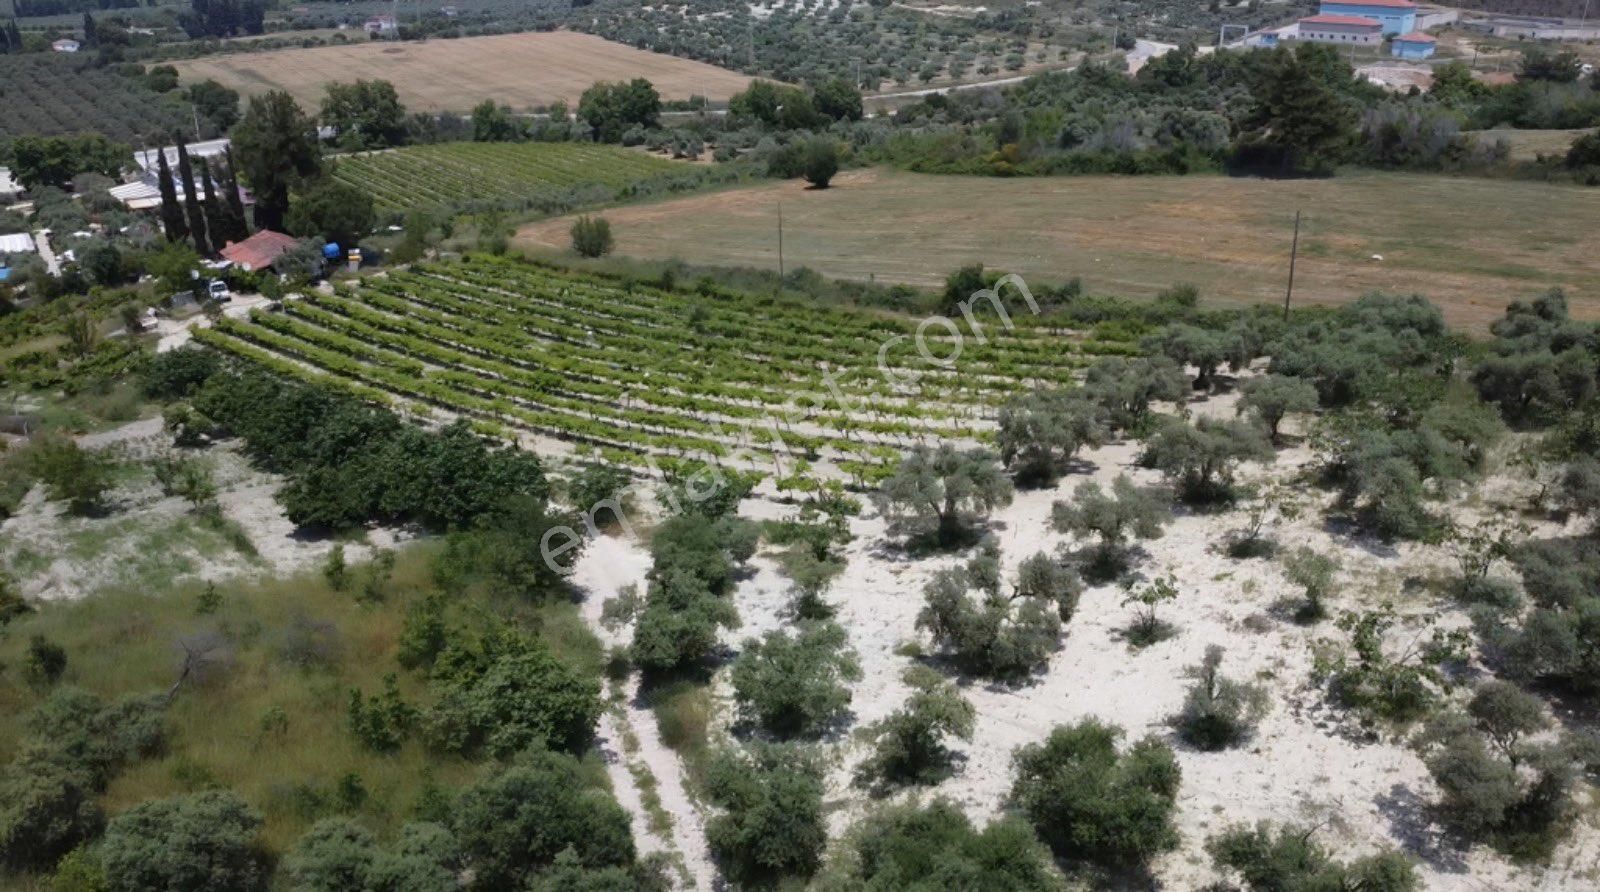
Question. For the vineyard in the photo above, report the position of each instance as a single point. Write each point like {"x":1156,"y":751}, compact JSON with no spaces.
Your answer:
{"x":637,"y":376}
{"x":548,"y":177}
{"x":47,"y":95}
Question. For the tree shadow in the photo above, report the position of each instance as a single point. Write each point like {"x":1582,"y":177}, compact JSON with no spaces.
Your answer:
{"x":1411,"y":821}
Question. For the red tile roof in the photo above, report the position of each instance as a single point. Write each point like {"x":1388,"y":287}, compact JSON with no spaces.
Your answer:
{"x":1417,"y":37}
{"x":1353,"y":20}
{"x":259,"y":250}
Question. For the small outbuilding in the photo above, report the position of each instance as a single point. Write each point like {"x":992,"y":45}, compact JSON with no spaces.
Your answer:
{"x":259,"y":251}
{"x":1415,"y":46}
{"x":65,"y":45}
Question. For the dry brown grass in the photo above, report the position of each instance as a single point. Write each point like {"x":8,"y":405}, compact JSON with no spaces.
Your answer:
{"x":1472,"y":245}
{"x":1528,"y":145}
{"x":520,"y":70}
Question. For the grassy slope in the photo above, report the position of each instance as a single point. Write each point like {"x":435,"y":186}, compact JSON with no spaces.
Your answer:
{"x":121,"y":643}
{"x":1472,"y":245}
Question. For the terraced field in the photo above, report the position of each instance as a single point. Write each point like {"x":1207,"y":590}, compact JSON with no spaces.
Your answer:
{"x":527,"y":174}
{"x":657,"y":379}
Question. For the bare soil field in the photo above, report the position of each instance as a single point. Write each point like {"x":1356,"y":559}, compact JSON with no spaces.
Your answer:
{"x":1471,"y":245}
{"x":520,"y":70}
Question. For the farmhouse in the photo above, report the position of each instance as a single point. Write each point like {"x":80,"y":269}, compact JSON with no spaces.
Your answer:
{"x":1395,"y":16}
{"x":1340,"y":29}
{"x":381,"y":25}
{"x":1413,"y":46}
{"x":259,"y":251}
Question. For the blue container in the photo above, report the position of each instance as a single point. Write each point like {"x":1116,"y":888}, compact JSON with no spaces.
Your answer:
{"x":330,"y":251}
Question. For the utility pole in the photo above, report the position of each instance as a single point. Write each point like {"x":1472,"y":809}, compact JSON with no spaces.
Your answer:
{"x":1294,"y":252}
{"x":196,"y":111}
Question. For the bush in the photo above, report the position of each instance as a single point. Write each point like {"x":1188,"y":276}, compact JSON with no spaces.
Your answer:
{"x":514,"y":825}
{"x":591,"y":236}
{"x":935,"y":846}
{"x":909,"y":744}
{"x":793,"y":685}
{"x":1090,"y":803}
{"x":339,"y":855}
{"x":201,"y":841}
{"x":1288,"y":858}
{"x":506,"y":694}
{"x":1381,"y":685}
{"x":819,"y":162}
{"x":1042,"y":430}
{"x":1201,"y":457}
{"x":686,"y":603}
{"x":1218,"y":712}
{"x":1314,"y":572}
{"x":772,"y":824}
{"x":46,"y":810}
{"x":69,"y":472}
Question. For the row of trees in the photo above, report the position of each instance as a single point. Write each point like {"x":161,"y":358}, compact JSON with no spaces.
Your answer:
{"x":212,"y":214}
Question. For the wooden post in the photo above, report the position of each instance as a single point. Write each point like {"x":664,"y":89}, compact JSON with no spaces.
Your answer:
{"x":1294,"y":252}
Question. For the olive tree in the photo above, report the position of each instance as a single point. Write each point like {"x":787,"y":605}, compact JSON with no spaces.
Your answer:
{"x":940,"y":492}
{"x":1088,"y":802}
{"x":1205,"y":349}
{"x":1126,"y":388}
{"x":909,"y":745}
{"x":1201,"y":458}
{"x":1271,"y":398}
{"x":795,"y":684}
{"x":935,"y":846}
{"x":1128,"y":511}
{"x":1042,"y":430}
{"x":997,"y":634}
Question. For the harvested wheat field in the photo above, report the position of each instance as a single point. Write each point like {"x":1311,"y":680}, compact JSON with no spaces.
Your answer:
{"x":519,"y":70}
{"x":1471,"y":245}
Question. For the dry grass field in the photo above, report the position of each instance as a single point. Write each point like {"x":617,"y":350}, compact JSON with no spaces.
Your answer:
{"x":1470,"y":244}
{"x":520,"y":70}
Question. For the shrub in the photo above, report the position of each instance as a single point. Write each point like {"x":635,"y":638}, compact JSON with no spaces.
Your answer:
{"x":1314,"y":572}
{"x":795,"y":684}
{"x":1271,"y":398}
{"x":819,"y":161}
{"x":1218,"y":712}
{"x":1090,"y":803}
{"x":203,"y":840}
{"x":1379,"y":684}
{"x":909,"y":745}
{"x":1288,"y":858}
{"x":1147,"y":627}
{"x":591,"y":236}
{"x":689,"y":579}
{"x":506,"y":694}
{"x":46,"y":661}
{"x":514,"y":824}
{"x":46,"y":810}
{"x":339,"y":855}
{"x":935,"y":846}
{"x":772,"y":823}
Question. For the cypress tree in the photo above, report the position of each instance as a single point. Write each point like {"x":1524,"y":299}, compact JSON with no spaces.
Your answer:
{"x":171,"y":215}
{"x":217,"y":227}
{"x":90,"y":38}
{"x":191,"y":202}
{"x":238,"y":223}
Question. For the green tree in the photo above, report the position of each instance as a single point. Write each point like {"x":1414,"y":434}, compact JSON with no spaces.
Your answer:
{"x":611,"y":108}
{"x":1288,"y":858}
{"x":591,"y":236}
{"x":1270,"y":398}
{"x":514,"y":824}
{"x":1112,"y":518}
{"x":1042,"y":430}
{"x":1090,"y":803}
{"x":1300,"y":120}
{"x":46,"y":810}
{"x":331,"y":210}
{"x":793,"y":685}
{"x":494,"y":123}
{"x":839,"y":99}
{"x":366,"y":114}
{"x":935,"y":846}
{"x":771,"y":825}
{"x":191,"y":202}
{"x":201,"y":841}
{"x":990,"y":632}
{"x":909,"y":745}
{"x":1201,"y":458}
{"x":941,"y":491}
{"x":819,"y":161}
{"x":173,"y":222}
{"x":276,"y":146}
{"x":215,"y":103}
